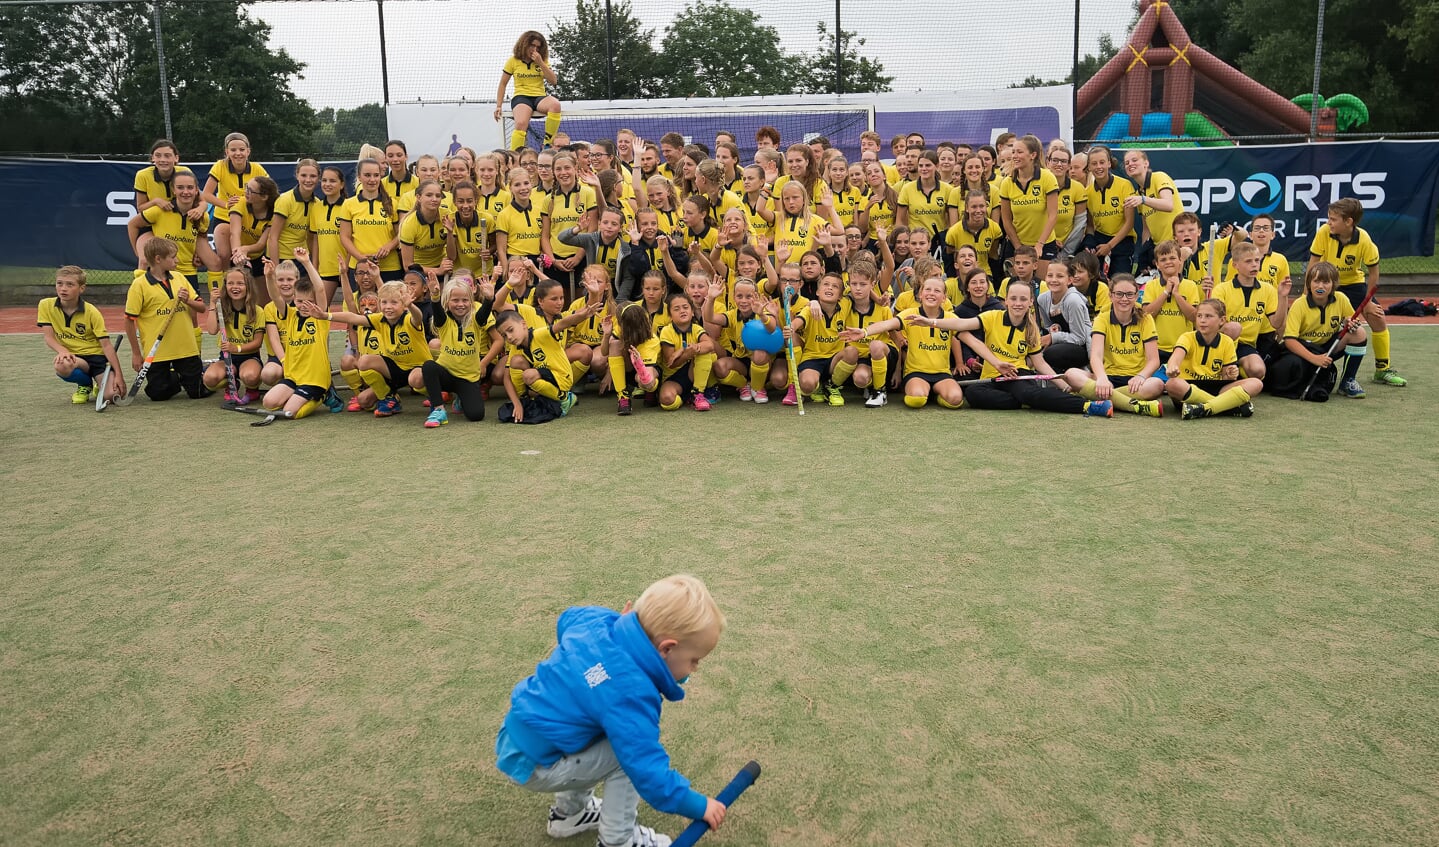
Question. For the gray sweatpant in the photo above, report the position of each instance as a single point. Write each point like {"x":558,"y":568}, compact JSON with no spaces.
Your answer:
{"x":573,"y":780}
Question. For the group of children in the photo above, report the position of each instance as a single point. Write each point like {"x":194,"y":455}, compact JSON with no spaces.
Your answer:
{"x":663,"y":273}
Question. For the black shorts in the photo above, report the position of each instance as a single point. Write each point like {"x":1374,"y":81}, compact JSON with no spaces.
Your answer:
{"x":1263,"y":347}
{"x":932,"y":379}
{"x":1210,"y":386}
{"x":525,"y":100}
{"x":238,"y":359}
{"x":309,"y":392}
{"x":96,"y":364}
{"x":391,"y":276}
{"x":1354,"y":292}
{"x":399,"y":377}
{"x":546,"y":375}
{"x":272,"y":360}
{"x":684,"y":379}
{"x":1050,"y":251}
{"x":820,"y":365}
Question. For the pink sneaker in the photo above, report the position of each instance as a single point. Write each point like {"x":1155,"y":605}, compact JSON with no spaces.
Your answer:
{"x":789,"y":396}
{"x":745,"y":394}
{"x":760,"y":395}
{"x":354,"y":405}
{"x":249,"y":397}
{"x":701,"y":404}
{"x":231,"y":398}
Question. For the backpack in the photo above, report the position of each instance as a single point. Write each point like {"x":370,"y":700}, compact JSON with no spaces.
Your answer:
{"x":538,"y":410}
{"x":1412,"y":308}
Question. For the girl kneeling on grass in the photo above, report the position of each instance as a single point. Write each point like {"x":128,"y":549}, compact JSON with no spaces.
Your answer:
{"x":1204,"y":367}
{"x":235,"y":306}
{"x":739,"y":367}
{"x":635,"y":349}
{"x":1123,"y":355}
{"x":688,"y":354}
{"x":400,"y":329}
{"x":1012,"y":348}
{"x":929,"y":333}
{"x":307,"y":353}
{"x":460,"y":368}
{"x":536,"y":355}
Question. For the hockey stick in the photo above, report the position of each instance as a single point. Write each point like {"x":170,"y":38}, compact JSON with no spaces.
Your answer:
{"x":789,"y":345}
{"x":231,"y":377}
{"x":1020,"y":378}
{"x":1344,"y":329}
{"x":269,"y":416}
{"x":102,"y":398}
{"x":149,"y":357}
{"x":742,"y":780}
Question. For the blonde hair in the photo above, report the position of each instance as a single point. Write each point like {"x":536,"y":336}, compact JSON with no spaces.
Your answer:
{"x":394,"y":289}
{"x":289,"y":267}
{"x":74,"y":272}
{"x":678,"y":607}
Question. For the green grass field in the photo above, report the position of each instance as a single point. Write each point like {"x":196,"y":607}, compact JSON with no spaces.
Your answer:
{"x":945,"y":627}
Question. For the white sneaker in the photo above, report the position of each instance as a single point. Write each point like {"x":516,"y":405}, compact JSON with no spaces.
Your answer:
{"x":875,"y":400}
{"x":584,"y":820}
{"x":644,"y":837}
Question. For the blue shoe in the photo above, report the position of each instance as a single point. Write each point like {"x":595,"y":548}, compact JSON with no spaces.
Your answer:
{"x":333,"y":402}
{"x":712,"y":394}
{"x":567,"y":403}
{"x":437,"y":418}
{"x":1099,"y":409}
{"x":388,"y":406}
{"x":457,"y":404}
{"x":1351,"y":388}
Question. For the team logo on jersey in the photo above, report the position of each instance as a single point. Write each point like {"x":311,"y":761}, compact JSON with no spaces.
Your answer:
{"x":372,"y":343}
{"x":1134,"y":338}
{"x":1349,"y":260}
{"x":403,"y":337}
{"x":80,"y":328}
{"x":1023,"y":348}
{"x":1114,"y":203}
{"x":470,"y":339}
{"x":309,"y":326}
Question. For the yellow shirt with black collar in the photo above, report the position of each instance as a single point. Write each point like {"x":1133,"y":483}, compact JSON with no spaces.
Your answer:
{"x":149,"y":182}
{"x":1029,"y":203}
{"x":371,"y":228}
{"x":1206,"y":359}
{"x":1106,"y":204}
{"x":325,"y":224}
{"x":529,"y":79}
{"x":229,"y":183}
{"x":798,"y":234}
{"x":427,"y":238}
{"x":79,"y":331}
{"x":1353,"y":256}
{"x":928,"y":209}
{"x":149,"y":303}
{"x":178,"y":229}
{"x":1315,"y":324}
{"x":307,"y":349}
{"x":927,"y":349}
{"x":296,"y":212}
{"x":402,"y":341}
{"x":983,"y":240}
{"x":1169,"y":322}
{"x":566,"y":209}
{"x":471,"y":238}
{"x":1124,"y":343}
{"x":1006,"y":341}
{"x":522,"y":228}
{"x":1252,"y":307}
{"x":460,"y":350}
{"x":398,"y":188}
{"x":1160,"y":224}
{"x":680,"y":339}
{"x":820,"y":336}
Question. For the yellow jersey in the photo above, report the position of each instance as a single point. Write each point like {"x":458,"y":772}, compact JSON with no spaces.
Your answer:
{"x":1097,"y":297}
{"x":982,"y":240}
{"x":1315,"y":324}
{"x":727,"y":200}
{"x":471,"y":238}
{"x":253,"y":229}
{"x":240,"y":328}
{"x":529,"y":79}
{"x":1169,"y":322}
{"x":757,"y":224}
{"x":149,"y":182}
{"x":325,"y":224}
{"x":404,"y":342}
{"x":929,"y":209}
{"x":493,"y":203}
{"x":292,"y":212}
{"x":1071,"y":195}
{"x":271,"y":315}
{"x":179,"y":230}
{"x":1029,"y":203}
{"x":1273,"y":269}
{"x":848,"y":204}
{"x":673,"y":336}
{"x":149,"y":303}
{"x":856,"y":319}
{"x":522,"y":228}
{"x":731,"y":337}
{"x":307,"y":349}
{"x":1106,"y":204}
{"x":231,"y":183}
{"x":80,"y":331}
{"x":1252,"y":307}
{"x":588,"y":331}
{"x":1124,"y":343}
{"x":398,"y":188}
{"x":1006,"y":341}
{"x":928,"y":349}
{"x":460,"y":346}
{"x":1204,"y":359}
{"x":542,"y":348}
{"x":881,"y":214}
{"x":427,"y":238}
{"x":1160,"y":224}
{"x":820,"y":337}
{"x":1197,"y":266}
{"x":371,"y":228}
{"x":669,"y":221}
{"x":1353,"y":256}
{"x":798,"y":234}
{"x":566,"y":209}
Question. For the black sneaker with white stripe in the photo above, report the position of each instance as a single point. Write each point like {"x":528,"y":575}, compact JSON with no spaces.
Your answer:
{"x":586,"y":819}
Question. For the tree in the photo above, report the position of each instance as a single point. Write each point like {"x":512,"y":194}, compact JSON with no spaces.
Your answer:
{"x":342,"y":131}
{"x":712,"y":49}
{"x":85,"y":78}
{"x":1385,"y":53}
{"x":1088,"y":66}
{"x":817,"y":71}
{"x":578,"y":48}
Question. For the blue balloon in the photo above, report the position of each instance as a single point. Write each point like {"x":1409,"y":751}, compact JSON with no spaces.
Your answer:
{"x":756,"y":337}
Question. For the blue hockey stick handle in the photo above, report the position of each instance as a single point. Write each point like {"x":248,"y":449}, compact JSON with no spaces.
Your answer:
{"x":742,"y":780}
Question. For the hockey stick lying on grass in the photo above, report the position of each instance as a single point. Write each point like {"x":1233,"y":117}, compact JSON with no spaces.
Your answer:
{"x":1020,"y":378}
{"x":268,"y":416}
{"x":742,"y":780}
{"x":102,"y":397}
{"x":129,"y":397}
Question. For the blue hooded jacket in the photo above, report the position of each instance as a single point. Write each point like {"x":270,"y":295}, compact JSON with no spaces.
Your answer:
{"x":605,"y":679}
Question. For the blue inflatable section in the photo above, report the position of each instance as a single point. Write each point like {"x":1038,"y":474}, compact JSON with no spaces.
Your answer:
{"x":1116,"y":128}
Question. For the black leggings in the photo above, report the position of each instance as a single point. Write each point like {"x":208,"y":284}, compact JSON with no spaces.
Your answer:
{"x":438,"y":380}
{"x":166,"y":379}
{"x":1014,"y":395}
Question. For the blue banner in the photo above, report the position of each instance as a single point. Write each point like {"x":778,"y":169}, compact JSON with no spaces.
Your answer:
{"x":1396,"y":181}
{"x":76,"y":211}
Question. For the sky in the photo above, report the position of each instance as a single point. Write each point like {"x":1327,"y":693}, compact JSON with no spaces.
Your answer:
{"x":452,"y":49}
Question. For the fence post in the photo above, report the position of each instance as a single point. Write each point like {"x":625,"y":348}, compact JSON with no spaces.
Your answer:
{"x":1314,"y":104}
{"x":838,"y":52}
{"x":609,"y":51}
{"x":1074,"y":85}
{"x":164,"y":80}
{"x":384,"y":62}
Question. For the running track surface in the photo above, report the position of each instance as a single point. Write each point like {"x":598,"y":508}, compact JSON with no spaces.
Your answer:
{"x":21,"y":319}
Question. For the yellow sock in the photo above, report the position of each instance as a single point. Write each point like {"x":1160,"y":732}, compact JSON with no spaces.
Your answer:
{"x":1087,"y":391}
{"x":1122,"y":399}
{"x":552,"y":126}
{"x":517,"y":379}
{"x":703,"y":363}
{"x":352,"y":379}
{"x":841,"y":373}
{"x":880,"y":367}
{"x":307,"y":409}
{"x":1232,"y":398}
{"x":945,"y":404}
{"x":546,"y":388}
{"x":733,"y":379}
{"x":578,"y":371}
{"x":673,"y":404}
{"x":517,"y":140}
{"x":914,"y":402}
{"x":1198,"y":396}
{"x":617,"y":374}
{"x":1381,"y":349}
{"x":377,"y":383}
{"x":759,"y":375}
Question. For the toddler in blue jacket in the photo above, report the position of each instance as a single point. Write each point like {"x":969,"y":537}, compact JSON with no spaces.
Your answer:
{"x":590,"y":714}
